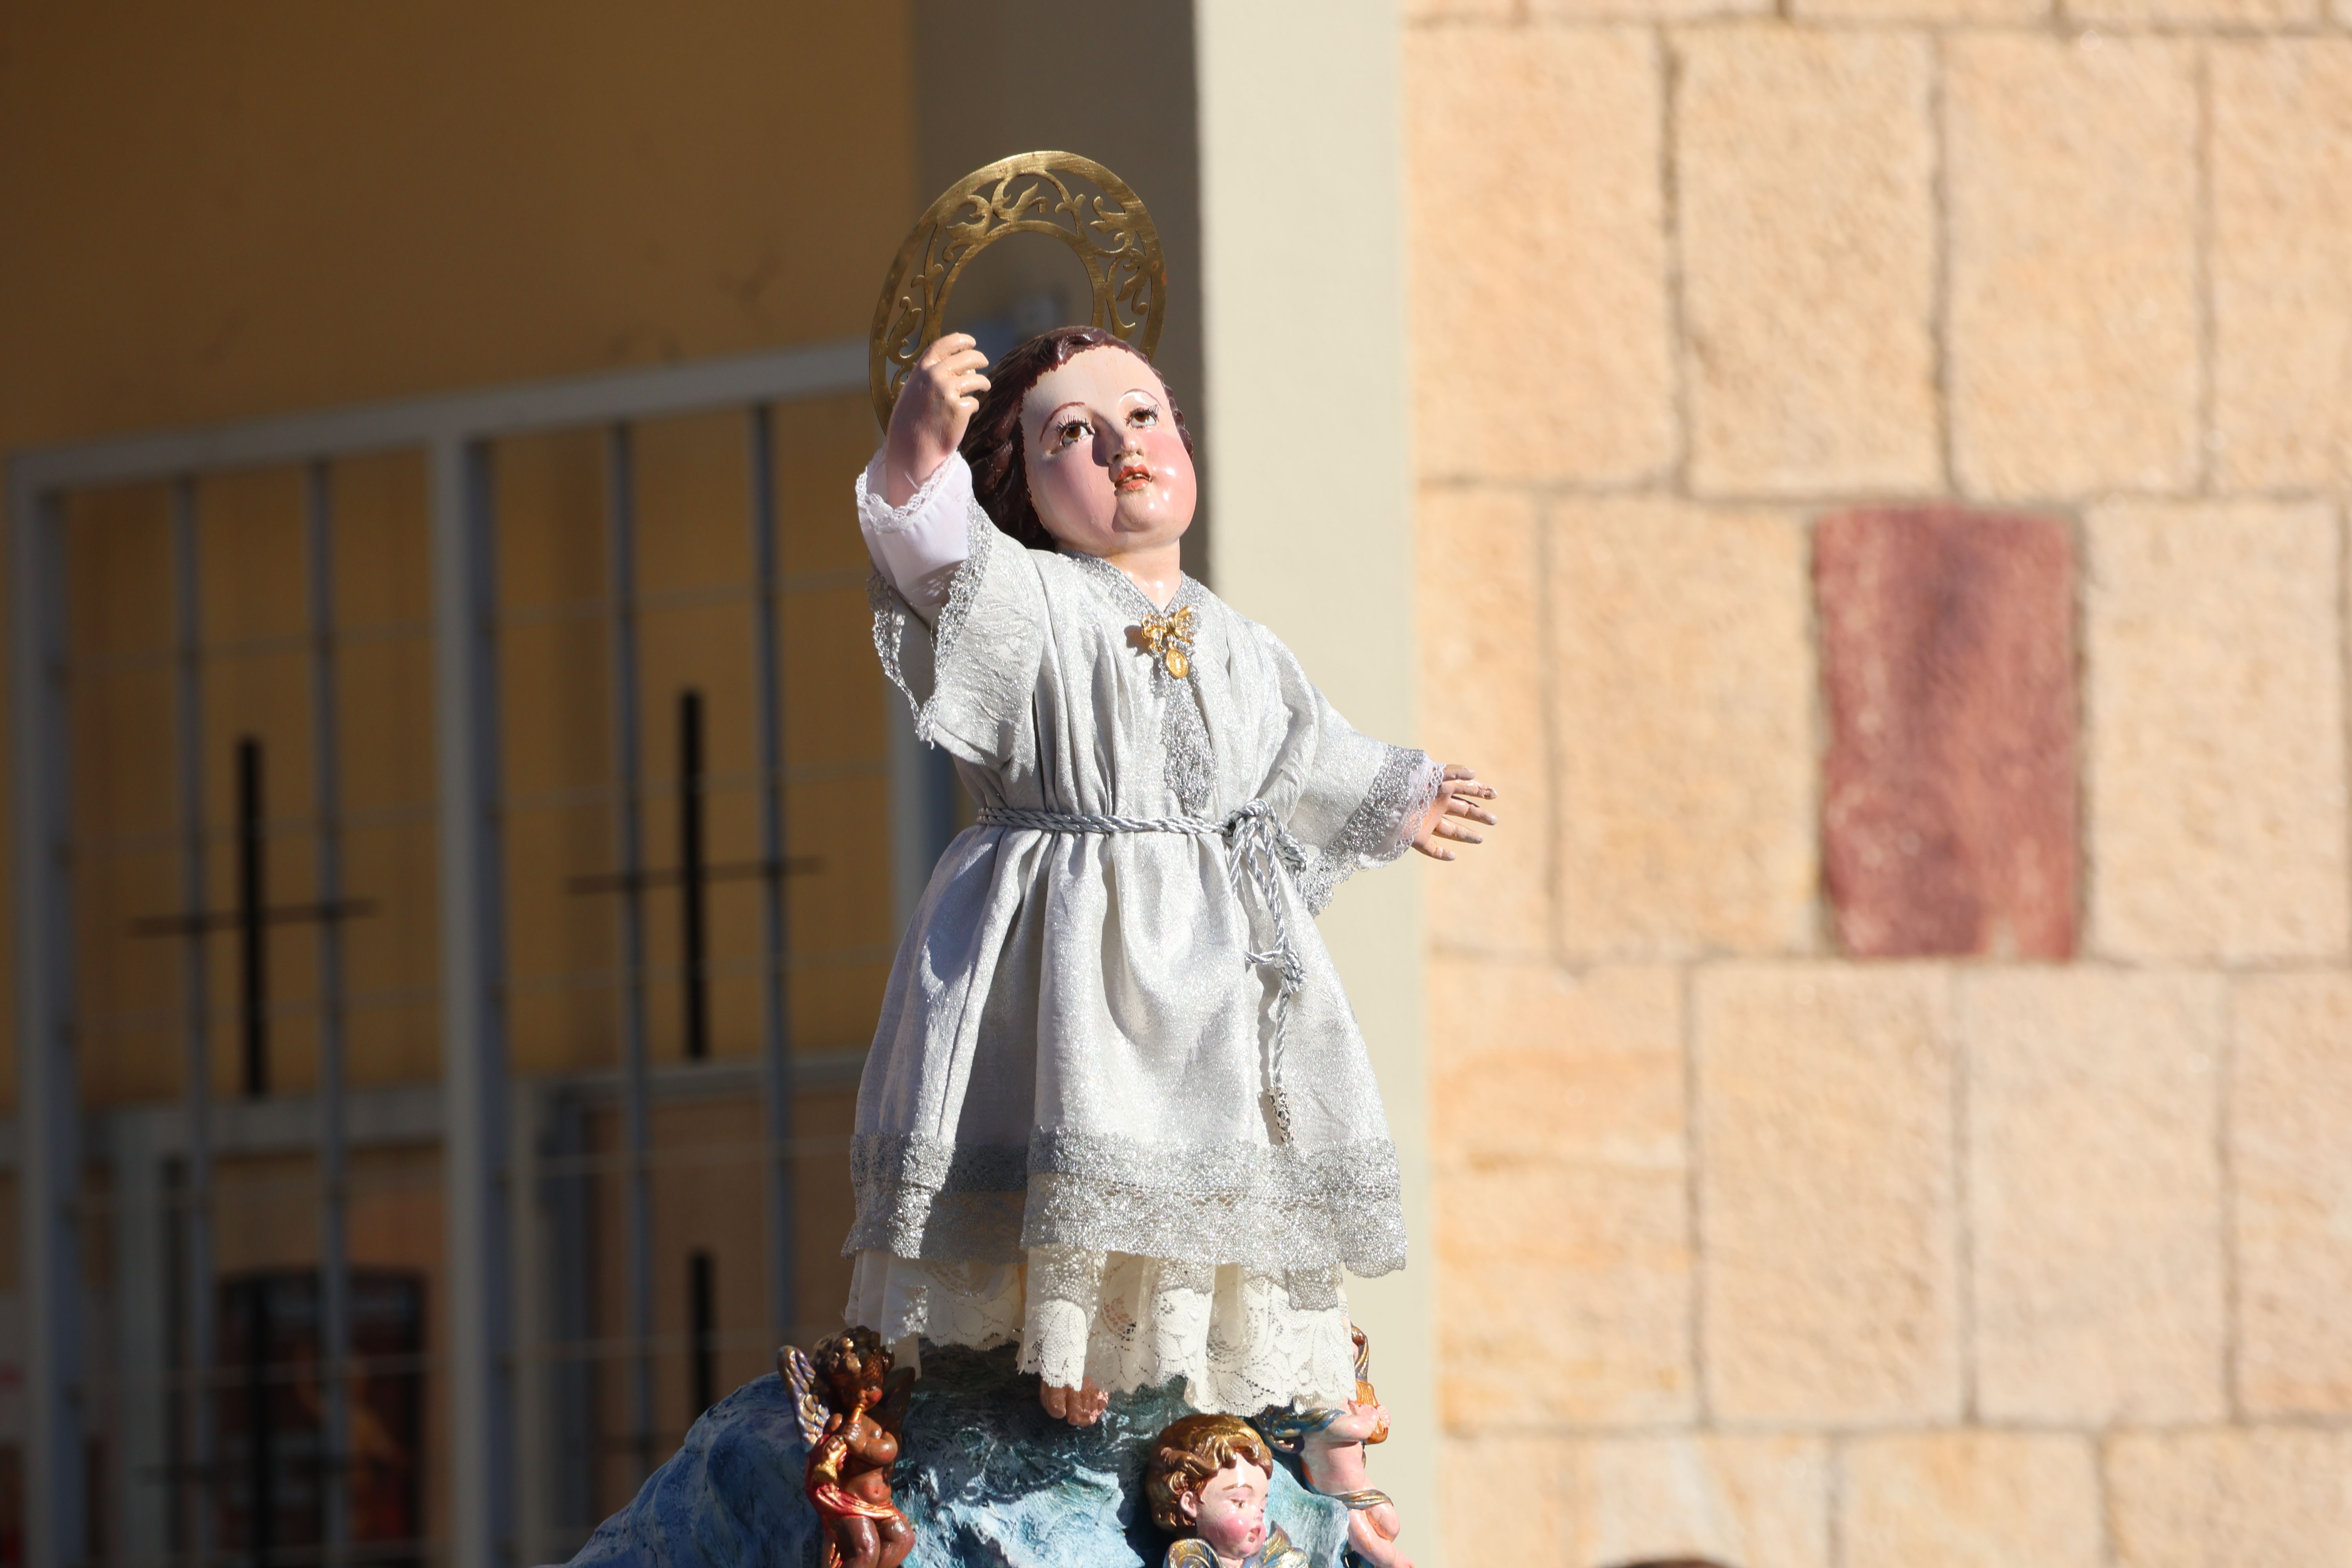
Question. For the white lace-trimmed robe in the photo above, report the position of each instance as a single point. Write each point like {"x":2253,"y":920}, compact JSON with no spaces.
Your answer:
{"x":1061,"y":1135}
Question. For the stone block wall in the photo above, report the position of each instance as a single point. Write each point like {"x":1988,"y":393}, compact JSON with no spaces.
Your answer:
{"x":1882,"y":477}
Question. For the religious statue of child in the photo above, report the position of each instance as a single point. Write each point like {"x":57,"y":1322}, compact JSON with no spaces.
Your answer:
{"x":1206,"y":1483}
{"x":1117,"y":1108}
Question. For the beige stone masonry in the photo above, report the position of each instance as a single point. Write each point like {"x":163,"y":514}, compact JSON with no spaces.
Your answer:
{"x":2291,"y":1168}
{"x":1745,"y":1250}
{"x":1920,"y":10}
{"x":1538,"y":254}
{"x":2283,"y":262}
{"x":1461,"y":10}
{"x":1539,"y":1065}
{"x":1804,"y":171}
{"x":2275,"y":1498}
{"x":2072,"y":166}
{"x":1482,"y":697}
{"x":1541,"y":1529}
{"x":1828,"y":1287}
{"x":2215,"y":707}
{"x":1664,"y":10}
{"x":1567,"y":1294}
{"x":1971,"y":1499}
{"x":1759,"y":1502}
{"x":1557,"y":1126}
{"x":2243,"y":14}
{"x":2095,"y":1194}
{"x":1683,"y":698}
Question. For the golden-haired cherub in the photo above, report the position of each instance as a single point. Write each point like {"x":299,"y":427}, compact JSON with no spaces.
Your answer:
{"x":1207,"y":1483}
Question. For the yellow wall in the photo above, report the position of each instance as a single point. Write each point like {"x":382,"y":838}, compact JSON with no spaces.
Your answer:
{"x":223,"y":212}
{"x":226,"y":210}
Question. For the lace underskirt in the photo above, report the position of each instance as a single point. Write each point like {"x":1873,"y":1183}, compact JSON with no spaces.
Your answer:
{"x":1241,"y":1339}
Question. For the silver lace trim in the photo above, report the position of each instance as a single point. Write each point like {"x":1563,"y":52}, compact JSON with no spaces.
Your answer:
{"x":880,"y":515}
{"x":1185,"y":734}
{"x":1065,"y":1274}
{"x":1074,"y":1274}
{"x":1122,"y":586}
{"x":1401,"y":791}
{"x":891,"y":613}
{"x":1190,"y":765}
{"x":1273,"y":1207}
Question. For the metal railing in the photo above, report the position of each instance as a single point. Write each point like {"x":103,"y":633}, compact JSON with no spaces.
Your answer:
{"x":472,"y":1112}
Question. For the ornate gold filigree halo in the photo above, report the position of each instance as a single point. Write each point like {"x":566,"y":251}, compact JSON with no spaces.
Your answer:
{"x":1111,"y":233}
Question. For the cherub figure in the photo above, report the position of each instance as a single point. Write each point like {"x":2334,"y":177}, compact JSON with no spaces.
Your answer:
{"x":1330,"y":1446}
{"x":850,"y":1407}
{"x":1206,"y":1484}
{"x":1118,"y":1107}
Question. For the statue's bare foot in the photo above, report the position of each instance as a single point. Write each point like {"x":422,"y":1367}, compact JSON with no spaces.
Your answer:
{"x":1080,"y":1407}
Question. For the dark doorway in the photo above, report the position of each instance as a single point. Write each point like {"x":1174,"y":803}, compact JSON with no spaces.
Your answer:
{"x":269,"y":1413}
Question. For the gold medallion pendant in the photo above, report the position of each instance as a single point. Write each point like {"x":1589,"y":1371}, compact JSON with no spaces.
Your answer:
{"x":1168,"y":637}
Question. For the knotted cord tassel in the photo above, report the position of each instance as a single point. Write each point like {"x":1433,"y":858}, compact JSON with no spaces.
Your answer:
{"x":1259,"y":850}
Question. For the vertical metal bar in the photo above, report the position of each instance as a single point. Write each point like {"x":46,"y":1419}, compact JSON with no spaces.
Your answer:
{"x":693,"y":883}
{"x":472,"y":1021}
{"x":571,"y":1291}
{"x":260,"y":1431}
{"x":252,"y":893}
{"x":197,"y":1091}
{"x":702,"y":1332}
{"x":334,"y":1193}
{"x":144,"y":1325}
{"x":184,"y":1496}
{"x":620,"y":512}
{"x":775,"y":1020}
{"x":534,"y":1514}
{"x":49,"y":1114}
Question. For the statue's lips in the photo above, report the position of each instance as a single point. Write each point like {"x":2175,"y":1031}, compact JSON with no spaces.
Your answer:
{"x":1130,"y":479}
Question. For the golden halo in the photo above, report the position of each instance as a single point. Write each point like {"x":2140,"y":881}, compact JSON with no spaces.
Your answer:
{"x":1112,"y":235}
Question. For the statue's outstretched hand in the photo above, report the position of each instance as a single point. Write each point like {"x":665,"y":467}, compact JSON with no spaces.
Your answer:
{"x":941,"y":395}
{"x":1451,"y":813}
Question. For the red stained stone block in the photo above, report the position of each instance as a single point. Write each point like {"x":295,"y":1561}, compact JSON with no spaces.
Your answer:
{"x":1948,"y":812}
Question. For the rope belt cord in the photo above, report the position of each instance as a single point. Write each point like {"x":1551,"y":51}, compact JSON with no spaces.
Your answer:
{"x":1259,"y":850}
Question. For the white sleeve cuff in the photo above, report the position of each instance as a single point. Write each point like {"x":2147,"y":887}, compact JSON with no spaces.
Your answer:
{"x":919,"y":546}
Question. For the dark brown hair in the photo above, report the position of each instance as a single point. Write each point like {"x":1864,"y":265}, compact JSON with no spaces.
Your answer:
{"x":854,"y":1356}
{"x":992,"y":443}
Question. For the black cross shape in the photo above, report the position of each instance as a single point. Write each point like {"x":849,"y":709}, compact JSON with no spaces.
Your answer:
{"x":693,"y":875}
{"x":250,"y":918}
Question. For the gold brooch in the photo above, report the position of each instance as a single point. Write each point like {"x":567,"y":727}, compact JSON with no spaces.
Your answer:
{"x":1168,"y":637}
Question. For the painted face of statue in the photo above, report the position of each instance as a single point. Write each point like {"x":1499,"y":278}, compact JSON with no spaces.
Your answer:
{"x":1229,"y":1513}
{"x":1107,"y":469}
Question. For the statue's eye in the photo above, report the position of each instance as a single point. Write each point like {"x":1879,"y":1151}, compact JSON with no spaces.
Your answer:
{"x":1147,"y":415}
{"x":1074,"y":430}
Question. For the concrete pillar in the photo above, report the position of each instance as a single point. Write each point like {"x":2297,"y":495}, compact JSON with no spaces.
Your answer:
{"x":1302,"y":246}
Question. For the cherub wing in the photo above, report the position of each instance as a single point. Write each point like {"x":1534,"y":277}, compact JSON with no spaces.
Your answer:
{"x":1190,"y":1551}
{"x":809,"y":1404}
{"x":1278,"y":1551}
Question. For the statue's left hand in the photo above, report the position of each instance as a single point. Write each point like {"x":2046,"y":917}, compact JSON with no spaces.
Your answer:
{"x":1456,"y":806}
